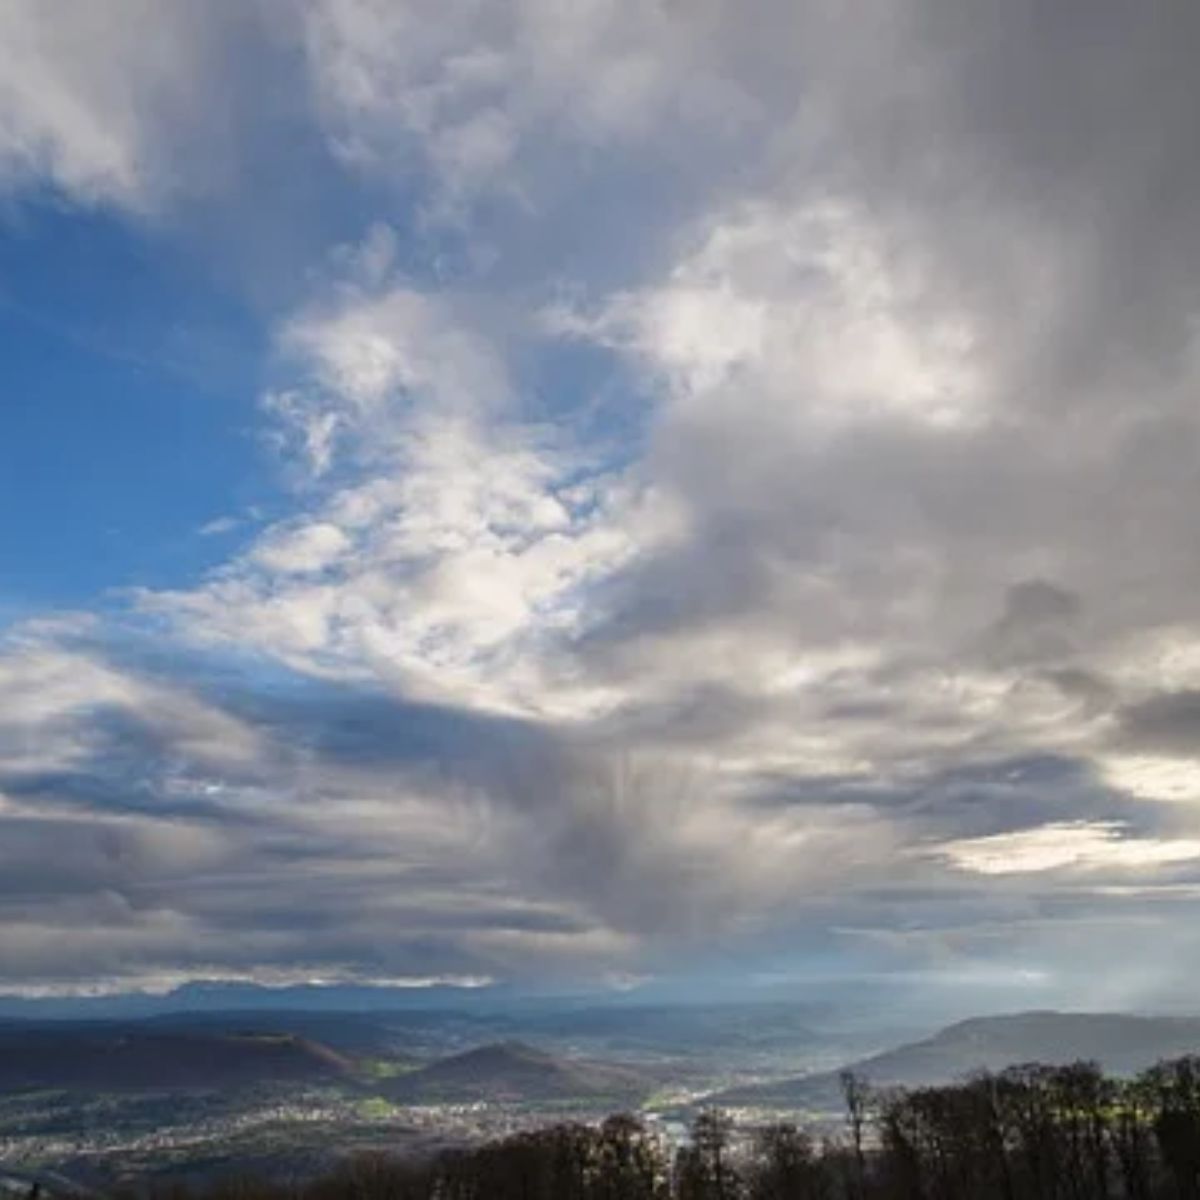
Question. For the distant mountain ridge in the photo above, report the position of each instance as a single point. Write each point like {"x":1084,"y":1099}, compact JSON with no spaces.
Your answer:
{"x":516,"y":1071}
{"x":203,"y":996}
{"x":1121,"y":1043}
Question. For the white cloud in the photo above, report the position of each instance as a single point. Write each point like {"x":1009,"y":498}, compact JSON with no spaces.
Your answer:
{"x":219,"y":526}
{"x":807,"y":309}
{"x":95,"y":102}
{"x":67,"y":693}
{"x":475,"y":93}
{"x":1071,"y":845}
{"x":301,"y":551}
{"x":377,"y":350}
{"x":1152,"y":776}
{"x":448,"y":555}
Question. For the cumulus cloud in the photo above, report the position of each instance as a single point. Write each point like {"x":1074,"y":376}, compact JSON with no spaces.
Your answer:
{"x":805,"y":306}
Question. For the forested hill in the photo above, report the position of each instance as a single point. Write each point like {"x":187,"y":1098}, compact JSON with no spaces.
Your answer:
{"x":120,"y":1059}
{"x":513,"y":1071}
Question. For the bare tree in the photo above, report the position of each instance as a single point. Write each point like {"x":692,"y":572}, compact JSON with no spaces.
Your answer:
{"x":856,"y":1092}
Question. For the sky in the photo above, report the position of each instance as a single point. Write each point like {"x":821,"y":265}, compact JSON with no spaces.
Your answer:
{"x":622,"y":494}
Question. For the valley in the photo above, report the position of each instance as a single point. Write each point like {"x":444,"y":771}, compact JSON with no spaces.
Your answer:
{"x":93,"y":1105}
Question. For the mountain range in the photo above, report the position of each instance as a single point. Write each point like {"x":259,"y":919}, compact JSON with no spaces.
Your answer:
{"x":219,"y":996}
{"x":1121,"y":1043}
{"x":574,"y":1057}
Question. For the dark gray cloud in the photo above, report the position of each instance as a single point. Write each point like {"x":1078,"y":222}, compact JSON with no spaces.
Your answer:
{"x":1168,"y":723}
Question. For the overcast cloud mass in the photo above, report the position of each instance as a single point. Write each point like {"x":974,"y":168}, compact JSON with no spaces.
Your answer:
{"x":732,"y":479}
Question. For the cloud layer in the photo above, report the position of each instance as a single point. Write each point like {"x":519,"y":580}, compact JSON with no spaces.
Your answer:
{"x":739,"y":506}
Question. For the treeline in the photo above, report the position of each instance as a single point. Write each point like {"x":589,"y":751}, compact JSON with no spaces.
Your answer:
{"x":1028,"y":1133}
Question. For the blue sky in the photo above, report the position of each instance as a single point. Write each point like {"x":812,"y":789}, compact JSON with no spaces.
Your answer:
{"x":594,"y":496}
{"x":127,"y":420}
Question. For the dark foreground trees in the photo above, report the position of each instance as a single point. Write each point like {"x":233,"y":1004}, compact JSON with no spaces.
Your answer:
{"x":1028,"y":1133}
{"x":1043,"y":1133}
